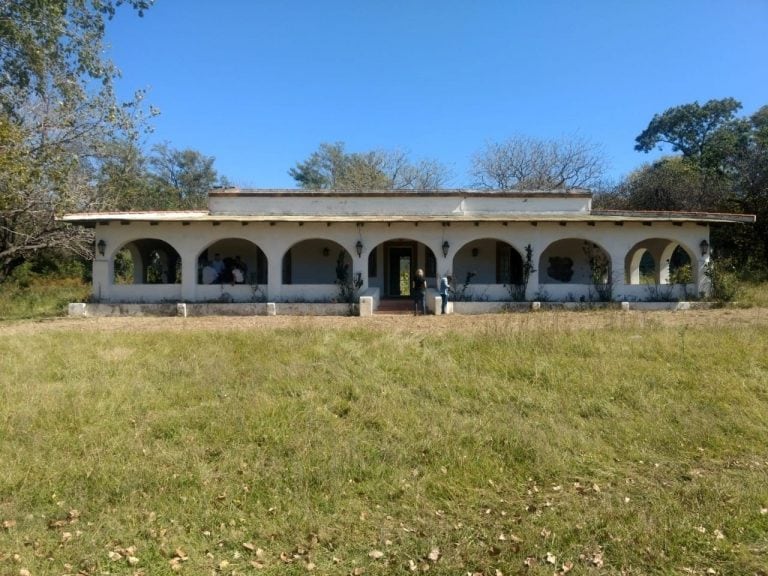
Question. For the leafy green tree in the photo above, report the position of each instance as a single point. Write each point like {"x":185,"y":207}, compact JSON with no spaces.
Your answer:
{"x":331,"y":167}
{"x":721,"y":167}
{"x":671,"y":184}
{"x":123,"y":179}
{"x":697,"y":131}
{"x":183,"y":177}
{"x":57,"y":109}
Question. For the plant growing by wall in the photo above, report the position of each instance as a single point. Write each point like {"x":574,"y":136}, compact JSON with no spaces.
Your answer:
{"x":724,"y":286}
{"x":600,"y":275}
{"x":517,"y":291}
{"x":660,"y":292}
{"x":349,"y":288}
{"x":461,"y":294}
{"x":682,"y":275}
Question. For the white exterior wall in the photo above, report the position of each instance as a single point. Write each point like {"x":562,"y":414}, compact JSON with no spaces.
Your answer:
{"x":274,"y":240}
{"x":412,"y":204}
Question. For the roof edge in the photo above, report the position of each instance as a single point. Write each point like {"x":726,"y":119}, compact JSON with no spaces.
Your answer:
{"x":261,"y":192}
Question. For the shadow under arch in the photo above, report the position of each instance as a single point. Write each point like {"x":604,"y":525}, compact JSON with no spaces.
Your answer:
{"x":314,"y":261}
{"x":574,"y":261}
{"x":488,"y":261}
{"x":225,"y":255}
{"x":146,"y":261}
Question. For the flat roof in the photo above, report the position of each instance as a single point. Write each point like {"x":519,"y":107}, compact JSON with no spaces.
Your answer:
{"x":93,"y":218}
{"x":449,"y":192}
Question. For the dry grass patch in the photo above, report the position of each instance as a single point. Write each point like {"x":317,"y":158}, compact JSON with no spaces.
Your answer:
{"x":581,"y":443}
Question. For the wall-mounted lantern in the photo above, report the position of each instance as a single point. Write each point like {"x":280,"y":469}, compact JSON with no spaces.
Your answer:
{"x":704,"y":247}
{"x":101,"y":246}
{"x":475,"y":252}
{"x":446,"y":247}
{"x":326,"y":251}
{"x":359,"y":248}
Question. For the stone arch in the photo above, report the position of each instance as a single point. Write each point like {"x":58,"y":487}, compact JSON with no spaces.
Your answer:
{"x":232,"y":253}
{"x":672,"y":262}
{"x":314,"y":261}
{"x":567,"y":261}
{"x":489,"y":261}
{"x":146,"y":261}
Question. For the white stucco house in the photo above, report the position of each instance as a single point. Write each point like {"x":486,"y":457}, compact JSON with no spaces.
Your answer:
{"x":289,"y":244}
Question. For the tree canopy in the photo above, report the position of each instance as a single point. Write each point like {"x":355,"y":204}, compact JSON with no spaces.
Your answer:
{"x":57,"y":112}
{"x":332,"y":167}
{"x":722,"y":167}
{"x":521,"y":163}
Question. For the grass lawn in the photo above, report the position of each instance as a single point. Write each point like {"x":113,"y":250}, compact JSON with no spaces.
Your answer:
{"x":42,"y":298}
{"x":539,"y":443}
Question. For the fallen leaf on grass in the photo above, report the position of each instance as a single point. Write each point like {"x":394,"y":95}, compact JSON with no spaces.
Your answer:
{"x":8,"y":524}
{"x":597,"y":559}
{"x":376,"y":554}
{"x":550,"y":558}
{"x":434,"y":554}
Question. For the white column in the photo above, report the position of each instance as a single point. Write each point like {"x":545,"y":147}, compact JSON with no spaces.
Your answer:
{"x":274,"y":274}
{"x":188,"y":276}
{"x":102,"y":269}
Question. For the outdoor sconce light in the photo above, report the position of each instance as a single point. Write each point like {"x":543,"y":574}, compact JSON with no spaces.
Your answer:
{"x":326,"y":251}
{"x":475,"y":252}
{"x":101,"y":246}
{"x":704,"y":247}
{"x":359,"y":248}
{"x":446,"y":247}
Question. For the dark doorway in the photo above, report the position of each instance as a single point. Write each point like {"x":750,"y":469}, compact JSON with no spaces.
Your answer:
{"x":399,"y":270}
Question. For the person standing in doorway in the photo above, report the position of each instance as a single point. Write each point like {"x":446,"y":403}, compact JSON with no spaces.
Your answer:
{"x":420,"y":292}
{"x":445,"y":284}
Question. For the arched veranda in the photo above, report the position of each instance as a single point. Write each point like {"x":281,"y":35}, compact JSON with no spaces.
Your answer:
{"x":659,"y":261}
{"x":146,"y":261}
{"x":575,"y":269}
{"x":232,"y":261}
{"x":311,"y":268}
{"x":392,"y":265}
{"x":488,"y":269}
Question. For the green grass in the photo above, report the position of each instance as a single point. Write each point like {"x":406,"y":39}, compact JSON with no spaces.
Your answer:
{"x":629,"y":449}
{"x":753,"y":294}
{"x":40,"y":298}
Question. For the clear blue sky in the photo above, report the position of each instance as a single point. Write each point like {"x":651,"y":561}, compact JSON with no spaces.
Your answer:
{"x":260,"y":84}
